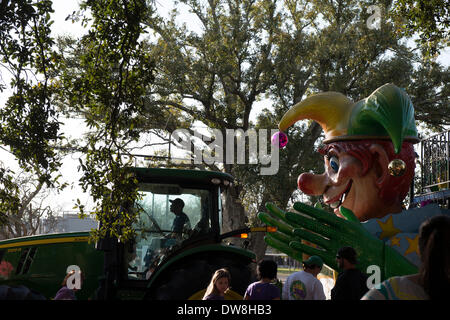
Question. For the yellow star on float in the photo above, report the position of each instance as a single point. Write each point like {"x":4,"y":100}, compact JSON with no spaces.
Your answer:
{"x":413,"y":245}
{"x":395,"y":242}
{"x":387,"y":228}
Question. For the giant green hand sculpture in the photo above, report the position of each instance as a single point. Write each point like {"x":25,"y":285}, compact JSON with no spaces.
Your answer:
{"x":330,"y":233}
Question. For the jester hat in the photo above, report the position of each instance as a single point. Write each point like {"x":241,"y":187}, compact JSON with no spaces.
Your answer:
{"x":387,"y":113}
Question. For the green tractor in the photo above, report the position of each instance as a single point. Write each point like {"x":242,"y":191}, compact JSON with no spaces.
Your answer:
{"x":162,"y":262}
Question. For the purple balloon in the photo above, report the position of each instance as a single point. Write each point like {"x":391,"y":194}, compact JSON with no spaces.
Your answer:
{"x":280,"y":138}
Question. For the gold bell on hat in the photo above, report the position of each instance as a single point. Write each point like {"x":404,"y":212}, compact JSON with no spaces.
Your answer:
{"x":397,"y":167}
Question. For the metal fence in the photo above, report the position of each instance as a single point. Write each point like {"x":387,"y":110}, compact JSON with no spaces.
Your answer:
{"x":435,"y":168}
{"x":435,"y":162}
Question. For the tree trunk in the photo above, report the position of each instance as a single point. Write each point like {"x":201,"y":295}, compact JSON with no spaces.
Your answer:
{"x":257,"y":243}
{"x":233,"y":212}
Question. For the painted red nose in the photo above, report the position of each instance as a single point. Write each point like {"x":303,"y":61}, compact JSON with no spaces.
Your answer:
{"x":312,"y":184}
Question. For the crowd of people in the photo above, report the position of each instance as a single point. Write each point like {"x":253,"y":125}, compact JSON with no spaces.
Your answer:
{"x":431,"y":282}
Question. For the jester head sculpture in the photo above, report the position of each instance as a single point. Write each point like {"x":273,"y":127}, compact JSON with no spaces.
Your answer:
{"x":368,"y":150}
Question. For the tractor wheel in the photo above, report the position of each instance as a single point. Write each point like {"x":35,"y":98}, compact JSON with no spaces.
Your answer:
{"x":19,"y":293}
{"x":189,"y":278}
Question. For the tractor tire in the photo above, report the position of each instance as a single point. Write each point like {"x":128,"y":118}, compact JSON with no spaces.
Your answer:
{"x":19,"y":293}
{"x":191,"y":276}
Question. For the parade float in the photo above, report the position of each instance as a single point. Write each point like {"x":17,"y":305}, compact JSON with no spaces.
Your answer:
{"x":369,"y":161}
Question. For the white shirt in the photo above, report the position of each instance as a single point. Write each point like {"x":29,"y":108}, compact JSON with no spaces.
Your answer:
{"x":302,"y":285}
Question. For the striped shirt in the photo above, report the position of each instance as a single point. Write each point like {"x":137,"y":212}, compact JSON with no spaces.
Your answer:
{"x":396,"y":288}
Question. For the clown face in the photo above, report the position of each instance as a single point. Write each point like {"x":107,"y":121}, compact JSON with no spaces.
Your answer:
{"x":362,"y":140}
{"x":352,"y":180}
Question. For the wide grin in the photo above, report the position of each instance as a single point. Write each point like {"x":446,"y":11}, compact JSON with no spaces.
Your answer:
{"x":337,"y":201}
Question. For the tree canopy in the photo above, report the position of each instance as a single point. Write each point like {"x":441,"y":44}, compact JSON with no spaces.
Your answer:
{"x":29,"y":124}
{"x":430,"y":19}
{"x":135,"y":70}
{"x":106,"y":81}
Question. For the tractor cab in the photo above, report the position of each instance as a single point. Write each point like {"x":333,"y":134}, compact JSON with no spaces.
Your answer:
{"x":177,"y":209}
{"x":171,"y":214}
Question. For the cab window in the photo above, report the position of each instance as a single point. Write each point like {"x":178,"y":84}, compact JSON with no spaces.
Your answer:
{"x":169,"y":214}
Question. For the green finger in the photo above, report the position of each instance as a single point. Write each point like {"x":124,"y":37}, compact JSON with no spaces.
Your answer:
{"x":271,"y":221}
{"x":311,"y":225}
{"x":310,"y":250}
{"x":281,"y":237}
{"x":281,"y":214}
{"x":348,"y":214}
{"x":317,"y":213}
{"x":296,"y":245}
{"x":311,"y":237}
{"x":276,"y":211}
{"x":283,"y":247}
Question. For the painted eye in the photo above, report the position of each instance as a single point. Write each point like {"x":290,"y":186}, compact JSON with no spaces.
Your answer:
{"x":334,"y":163}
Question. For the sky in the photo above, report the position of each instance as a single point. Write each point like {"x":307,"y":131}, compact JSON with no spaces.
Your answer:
{"x":74,"y":128}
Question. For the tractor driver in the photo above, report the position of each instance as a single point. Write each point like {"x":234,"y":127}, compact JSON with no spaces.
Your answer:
{"x":181,"y":222}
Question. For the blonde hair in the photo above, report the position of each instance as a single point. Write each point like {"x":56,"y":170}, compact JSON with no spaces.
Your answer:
{"x":221,"y":273}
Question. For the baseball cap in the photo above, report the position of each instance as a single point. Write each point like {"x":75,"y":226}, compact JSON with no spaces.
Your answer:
{"x":177,"y":201}
{"x":348,"y":253}
{"x":314,"y":260}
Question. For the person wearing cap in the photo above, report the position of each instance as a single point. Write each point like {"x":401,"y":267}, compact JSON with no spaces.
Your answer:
{"x":181,"y":221}
{"x":351,"y":283}
{"x":304,"y":285}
